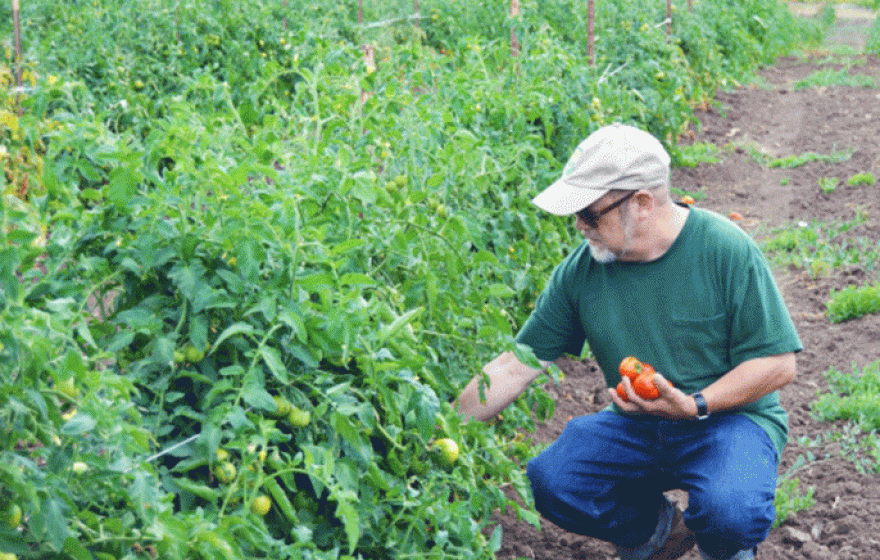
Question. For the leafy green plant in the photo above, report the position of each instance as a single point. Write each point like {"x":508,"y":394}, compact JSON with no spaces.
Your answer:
{"x":822,"y":247}
{"x":790,"y":499}
{"x":841,"y":77}
{"x":862,"y":179}
{"x":828,"y":184}
{"x":269,"y":279}
{"x":694,"y":154}
{"x":852,"y":302}
{"x":854,"y":397}
{"x":789,"y":162}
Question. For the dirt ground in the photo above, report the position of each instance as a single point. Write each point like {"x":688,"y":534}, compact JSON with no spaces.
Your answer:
{"x":775,"y":117}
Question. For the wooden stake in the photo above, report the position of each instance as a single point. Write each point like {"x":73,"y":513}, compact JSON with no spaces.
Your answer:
{"x":591,"y":32}
{"x":360,"y":12}
{"x":417,"y":14}
{"x":514,"y":40}
{"x":668,"y":17}
{"x":16,"y":24}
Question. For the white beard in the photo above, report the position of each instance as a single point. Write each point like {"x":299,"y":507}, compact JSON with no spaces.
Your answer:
{"x":601,"y":254}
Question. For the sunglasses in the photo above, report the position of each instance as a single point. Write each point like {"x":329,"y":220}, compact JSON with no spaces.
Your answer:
{"x":591,"y":217}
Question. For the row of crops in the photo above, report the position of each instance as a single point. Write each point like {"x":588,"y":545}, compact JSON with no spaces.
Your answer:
{"x":245,"y":267}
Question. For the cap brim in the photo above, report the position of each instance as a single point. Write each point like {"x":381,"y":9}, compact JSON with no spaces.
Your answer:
{"x":563,"y":199}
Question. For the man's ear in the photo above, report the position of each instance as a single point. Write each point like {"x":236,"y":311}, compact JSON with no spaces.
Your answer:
{"x":646,"y":201}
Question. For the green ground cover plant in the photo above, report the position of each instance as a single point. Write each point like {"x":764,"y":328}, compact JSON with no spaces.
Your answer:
{"x":840,"y":77}
{"x":254,"y":263}
{"x":828,"y":184}
{"x":853,"y":302}
{"x":820,"y":247}
{"x":862,"y":179}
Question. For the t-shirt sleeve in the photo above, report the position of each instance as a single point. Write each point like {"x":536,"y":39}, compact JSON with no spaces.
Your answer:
{"x":554,"y":327}
{"x":760,"y":324}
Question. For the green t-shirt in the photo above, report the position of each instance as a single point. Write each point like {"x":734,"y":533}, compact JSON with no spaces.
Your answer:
{"x":709,"y":303}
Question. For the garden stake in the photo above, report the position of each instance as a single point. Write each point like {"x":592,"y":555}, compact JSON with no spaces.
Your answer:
{"x":591,"y":32}
{"x":16,"y":24}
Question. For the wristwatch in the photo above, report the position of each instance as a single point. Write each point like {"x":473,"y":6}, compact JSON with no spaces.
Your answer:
{"x":702,"y":408}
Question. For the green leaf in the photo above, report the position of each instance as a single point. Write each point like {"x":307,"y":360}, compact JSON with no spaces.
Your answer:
{"x":356,"y":279}
{"x":500,"y":290}
{"x":76,"y":550}
{"x":123,"y":185}
{"x":79,"y":424}
{"x":232,"y":330}
{"x":50,"y":522}
{"x":272,"y":359}
{"x":351,"y":523}
{"x":390,"y":330}
{"x":205,"y":492}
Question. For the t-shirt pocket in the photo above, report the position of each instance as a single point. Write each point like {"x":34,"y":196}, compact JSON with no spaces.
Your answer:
{"x":701,"y":348}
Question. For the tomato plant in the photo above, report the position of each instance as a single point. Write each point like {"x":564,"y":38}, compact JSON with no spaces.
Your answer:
{"x":233,"y":285}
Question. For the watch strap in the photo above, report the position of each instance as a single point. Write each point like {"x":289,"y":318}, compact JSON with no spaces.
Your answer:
{"x":702,"y":407}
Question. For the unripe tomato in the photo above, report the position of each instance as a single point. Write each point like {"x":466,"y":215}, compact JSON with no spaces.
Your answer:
{"x":261,"y":505}
{"x":194,"y":355}
{"x":222,"y":454}
{"x":298,"y":417}
{"x":448,"y":451}
{"x":282,"y":404}
{"x":79,"y":467}
{"x":225,"y":471}
{"x":8,"y":556}
{"x":13,"y":518}
{"x":67,"y":388}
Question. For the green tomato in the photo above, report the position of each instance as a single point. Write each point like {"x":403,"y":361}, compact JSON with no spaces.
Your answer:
{"x":225,"y":471}
{"x":261,"y":505}
{"x":68,"y":388}
{"x":282,"y":404}
{"x":448,"y":451}
{"x":298,"y":417}
{"x":13,"y":517}
{"x":194,"y":355}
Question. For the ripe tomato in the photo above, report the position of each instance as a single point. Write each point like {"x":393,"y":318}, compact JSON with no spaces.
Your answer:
{"x":687,"y":199}
{"x":644,"y":387}
{"x":647,"y":369}
{"x":630,"y":367}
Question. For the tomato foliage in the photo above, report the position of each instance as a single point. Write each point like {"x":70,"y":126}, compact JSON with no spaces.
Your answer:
{"x":256,"y":266}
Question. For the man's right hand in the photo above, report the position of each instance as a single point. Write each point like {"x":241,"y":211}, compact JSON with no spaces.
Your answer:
{"x":508,"y":378}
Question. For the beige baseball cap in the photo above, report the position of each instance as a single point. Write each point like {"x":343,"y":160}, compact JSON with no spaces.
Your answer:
{"x":614,"y":157}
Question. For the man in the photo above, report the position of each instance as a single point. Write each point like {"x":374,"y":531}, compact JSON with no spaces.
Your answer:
{"x":687,"y":291}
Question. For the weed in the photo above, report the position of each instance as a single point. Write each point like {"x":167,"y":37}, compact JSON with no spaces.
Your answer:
{"x":697,"y":153}
{"x":821,"y":247}
{"x":854,"y":397}
{"x":828,"y":184}
{"x":790,"y":499}
{"x":790,"y":162}
{"x":835,"y":78}
{"x":852,"y":302}
{"x":862,"y":179}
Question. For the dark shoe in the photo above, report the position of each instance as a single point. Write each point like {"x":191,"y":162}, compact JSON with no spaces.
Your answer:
{"x":680,"y":540}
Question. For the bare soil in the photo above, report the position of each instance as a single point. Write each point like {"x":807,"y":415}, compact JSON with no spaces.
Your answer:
{"x":780,"y":119}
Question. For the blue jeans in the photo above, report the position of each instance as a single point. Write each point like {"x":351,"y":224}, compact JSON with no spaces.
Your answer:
{"x":605,"y":477}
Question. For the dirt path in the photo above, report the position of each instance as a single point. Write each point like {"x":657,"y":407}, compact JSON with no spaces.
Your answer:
{"x":780,"y":118}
